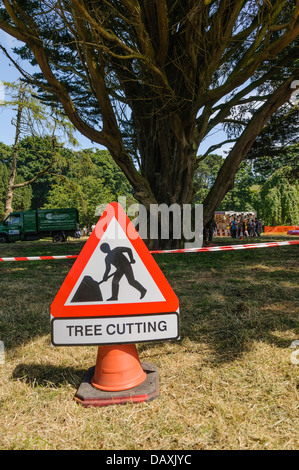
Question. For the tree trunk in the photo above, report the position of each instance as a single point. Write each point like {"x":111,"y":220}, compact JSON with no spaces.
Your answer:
{"x":168,"y":161}
{"x":10,"y":187}
{"x":11,"y":184}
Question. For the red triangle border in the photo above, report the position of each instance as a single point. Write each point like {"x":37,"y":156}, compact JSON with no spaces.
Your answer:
{"x":60,"y":310}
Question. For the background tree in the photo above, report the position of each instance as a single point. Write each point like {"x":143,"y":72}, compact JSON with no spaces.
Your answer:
{"x":31,"y":117}
{"x":83,"y":184}
{"x":84,"y":179}
{"x":22,"y":195}
{"x":205,"y":175}
{"x":241,"y":197}
{"x":278,"y":199}
{"x":36,"y":154}
{"x":150,"y":80}
{"x":268,"y":185}
{"x":85,"y":196}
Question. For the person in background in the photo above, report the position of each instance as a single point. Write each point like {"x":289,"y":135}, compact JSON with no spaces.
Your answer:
{"x":256,"y":232}
{"x":208,"y":232}
{"x":241,"y":229}
{"x":234,"y":228}
{"x":249,"y":228}
{"x":252,"y":228}
{"x":246,"y":234}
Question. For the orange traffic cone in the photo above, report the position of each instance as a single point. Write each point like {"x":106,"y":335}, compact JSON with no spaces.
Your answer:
{"x":117,"y":368}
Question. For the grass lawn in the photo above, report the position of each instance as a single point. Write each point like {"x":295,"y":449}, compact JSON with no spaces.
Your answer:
{"x":228,"y":383}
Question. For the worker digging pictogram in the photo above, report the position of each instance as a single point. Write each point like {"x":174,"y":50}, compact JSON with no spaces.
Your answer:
{"x":120,"y":259}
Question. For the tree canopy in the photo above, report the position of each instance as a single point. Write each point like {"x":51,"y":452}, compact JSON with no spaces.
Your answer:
{"x":150,"y":80}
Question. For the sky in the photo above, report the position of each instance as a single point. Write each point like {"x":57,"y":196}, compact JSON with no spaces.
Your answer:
{"x":9,"y":73}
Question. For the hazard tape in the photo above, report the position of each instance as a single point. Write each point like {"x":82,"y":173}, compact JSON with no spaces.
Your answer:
{"x":228,"y":248}
{"x":183,"y":250}
{"x":38,"y":258}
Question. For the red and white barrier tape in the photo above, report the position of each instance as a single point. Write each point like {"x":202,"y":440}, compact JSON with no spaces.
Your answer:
{"x":38,"y":258}
{"x":183,"y":250}
{"x":228,"y":248}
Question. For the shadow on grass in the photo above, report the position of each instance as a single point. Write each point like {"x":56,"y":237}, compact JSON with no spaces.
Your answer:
{"x":227,"y":301}
{"x":233,"y":337}
{"x":36,"y":375}
{"x":236,"y":299}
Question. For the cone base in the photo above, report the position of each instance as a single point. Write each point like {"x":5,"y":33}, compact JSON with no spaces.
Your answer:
{"x":87,"y":395}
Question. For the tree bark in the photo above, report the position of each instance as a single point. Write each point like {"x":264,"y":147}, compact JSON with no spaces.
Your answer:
{"x":10,"y":187}
{"x":168,"y":161}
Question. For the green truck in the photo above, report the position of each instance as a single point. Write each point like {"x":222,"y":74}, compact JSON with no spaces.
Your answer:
{"x":41,"y":223}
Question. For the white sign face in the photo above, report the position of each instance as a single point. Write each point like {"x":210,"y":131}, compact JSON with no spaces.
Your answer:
{"x":114,"y":274}
{"x":114,"y":330}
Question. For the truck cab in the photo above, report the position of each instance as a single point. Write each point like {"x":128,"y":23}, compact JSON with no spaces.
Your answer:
{"x":11,"y":228}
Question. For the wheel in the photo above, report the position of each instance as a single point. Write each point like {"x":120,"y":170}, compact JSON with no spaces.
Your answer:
{"x":58,"y":237}
{"x":3,"y":238}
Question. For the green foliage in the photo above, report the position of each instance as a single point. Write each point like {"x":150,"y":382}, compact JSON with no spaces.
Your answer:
{"x":110,"y":172}
{"x":82,"y":179}
{"x":22,"y":196}
{"x":278,"y":199}
{"x":22,"y":200}
{"x":267,"y":185}
{"x":5,"y":153}
{"x":84,"y":194}
{"x":35,"y":153}
{"x":90,"y":178}
{"x":206,"y":175}
{"x":240,"y":198}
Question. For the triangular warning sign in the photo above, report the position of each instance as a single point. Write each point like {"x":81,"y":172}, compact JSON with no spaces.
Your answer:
{"x":115,"y":274}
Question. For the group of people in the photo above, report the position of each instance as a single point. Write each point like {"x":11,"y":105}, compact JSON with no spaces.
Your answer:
{"x":83,"y":232}
{"x":245,"y":228}
{"x":238,"y":228}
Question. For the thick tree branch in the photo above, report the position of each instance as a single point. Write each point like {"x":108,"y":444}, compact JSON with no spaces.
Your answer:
{"x":226,"y":175}
{"x":249,"y":63}
{"x":29,"y":37}
{"x":38,"y":175}
{"x":212,"y":148}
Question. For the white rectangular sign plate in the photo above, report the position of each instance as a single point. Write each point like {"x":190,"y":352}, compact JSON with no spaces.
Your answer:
{"x":114,"y":329}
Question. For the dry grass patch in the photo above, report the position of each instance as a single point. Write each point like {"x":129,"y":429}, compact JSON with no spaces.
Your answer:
{"x":227,"y":384}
